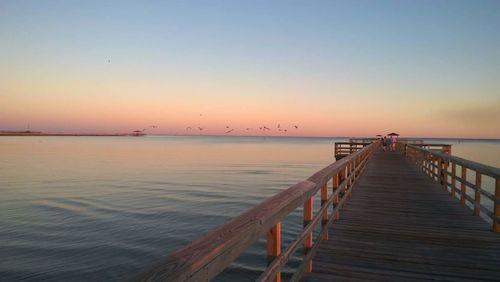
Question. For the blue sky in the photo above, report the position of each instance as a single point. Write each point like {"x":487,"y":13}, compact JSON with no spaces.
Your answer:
{"x":436,"y":59}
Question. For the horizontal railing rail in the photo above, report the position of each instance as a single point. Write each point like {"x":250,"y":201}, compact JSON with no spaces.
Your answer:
{"x":363,"y":140}
{"x":444,"y":148}
{"x":206,"y":257}
{"x":442,"y":167}
{"x":411,"y":141}
{"x":342,"y":149}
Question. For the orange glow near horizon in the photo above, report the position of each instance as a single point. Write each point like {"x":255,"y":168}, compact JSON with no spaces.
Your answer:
{"x":122,"y":111}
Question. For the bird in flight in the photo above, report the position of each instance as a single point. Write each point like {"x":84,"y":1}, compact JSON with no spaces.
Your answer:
{"x":229,"y":131}
{"x":295,"y":126}
{"x":188,"y":128}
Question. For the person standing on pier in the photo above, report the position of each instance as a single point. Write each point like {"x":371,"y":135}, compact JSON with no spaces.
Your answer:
{"x":384,"y":143}
{"x":393,"y":142}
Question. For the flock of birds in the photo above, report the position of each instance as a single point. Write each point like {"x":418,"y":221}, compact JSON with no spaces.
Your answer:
{"x":228,"y":129}
{"x":262,"y":128}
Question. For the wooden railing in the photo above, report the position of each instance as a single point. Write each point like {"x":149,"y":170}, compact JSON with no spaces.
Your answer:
{"x":343,"y":149}
{"x":204,"y":258}
{"x":450,"y":171}
{"x":363,"y":140}
{"x":444,"y":148}
{"x":412,"y":141}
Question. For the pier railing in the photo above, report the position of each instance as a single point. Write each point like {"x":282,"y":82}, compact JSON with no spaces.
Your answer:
{"x":205,"y":257}
{"x":453,"y":172}
{"x":343,"y":149}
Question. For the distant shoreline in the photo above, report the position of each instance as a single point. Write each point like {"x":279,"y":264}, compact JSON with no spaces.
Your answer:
{"x":34,"y":133}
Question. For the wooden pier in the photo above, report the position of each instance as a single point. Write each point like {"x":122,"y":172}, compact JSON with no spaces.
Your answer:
{"x":400,"y":225}
{"x":413,"y":214}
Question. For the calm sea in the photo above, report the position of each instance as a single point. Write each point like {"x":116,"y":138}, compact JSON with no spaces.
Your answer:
{"x":103,"y":208}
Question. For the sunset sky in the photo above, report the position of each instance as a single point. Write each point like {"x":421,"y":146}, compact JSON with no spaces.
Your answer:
{"x":334,"y":68}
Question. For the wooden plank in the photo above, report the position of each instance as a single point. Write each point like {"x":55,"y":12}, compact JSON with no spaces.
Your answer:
{"x":400,"y":225}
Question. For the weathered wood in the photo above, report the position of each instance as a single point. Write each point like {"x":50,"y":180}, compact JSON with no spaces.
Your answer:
{"x":343,"y":149}
{"x":496,"y":219}
{"x":462,"y":185}
{"x":324,"y":201}
{"x":443,"y":161}
{"x":305,"y":263}
{"x":335,"y":187}
{"x":308,"y":216}
{"x":274,"y":246}
{"x":481,"y":168}
{"x":453,"y":179}
{"x":400,"y":226}
{"x":207,"y":256}
{"x":290,"y":250}
{"x":477,"y":195}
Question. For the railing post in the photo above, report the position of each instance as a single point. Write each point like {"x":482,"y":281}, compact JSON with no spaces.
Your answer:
{"x":274,"y":246}
{"x":351,"y":171}
{"x":444,"y":174}
{"x":424,"y":162}
{"x":436,"y":169}
{"x":308,"y":242}
{"x":347,"y":183}
{"x":421,"y":156}
{"x":432,"y":168}
{"x":496,"y":213}
{"x":336,"y":182}
{"x":429,"y":167}
{"x":477,"y":194}
{"x":462,"y":185}
{"x":355,"y":164}
{"x":324,"y":217}
{"x":453,"y":180}
{"x":441,"y":172}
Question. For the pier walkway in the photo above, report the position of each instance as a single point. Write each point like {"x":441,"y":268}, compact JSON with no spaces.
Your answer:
{"x":400,"y":225}
{"x":415,"y":214}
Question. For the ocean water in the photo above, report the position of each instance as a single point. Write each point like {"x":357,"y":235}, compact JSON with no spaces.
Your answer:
{"x":104,"y":208}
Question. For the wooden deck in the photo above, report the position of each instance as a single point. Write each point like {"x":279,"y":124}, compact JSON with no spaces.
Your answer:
{"x":400,"y":225}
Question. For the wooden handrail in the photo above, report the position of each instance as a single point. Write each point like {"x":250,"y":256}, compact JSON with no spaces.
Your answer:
{"x":430,"y":161}
{"x":342,"y":149}
{"x":205,"y":257}
{"x":482,"y":168}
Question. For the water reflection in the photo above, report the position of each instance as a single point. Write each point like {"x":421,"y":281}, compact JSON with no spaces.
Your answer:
{"x":102,"y":208}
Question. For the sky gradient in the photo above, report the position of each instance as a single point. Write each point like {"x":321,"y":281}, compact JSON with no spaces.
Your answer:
{"x":334,"y":68}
